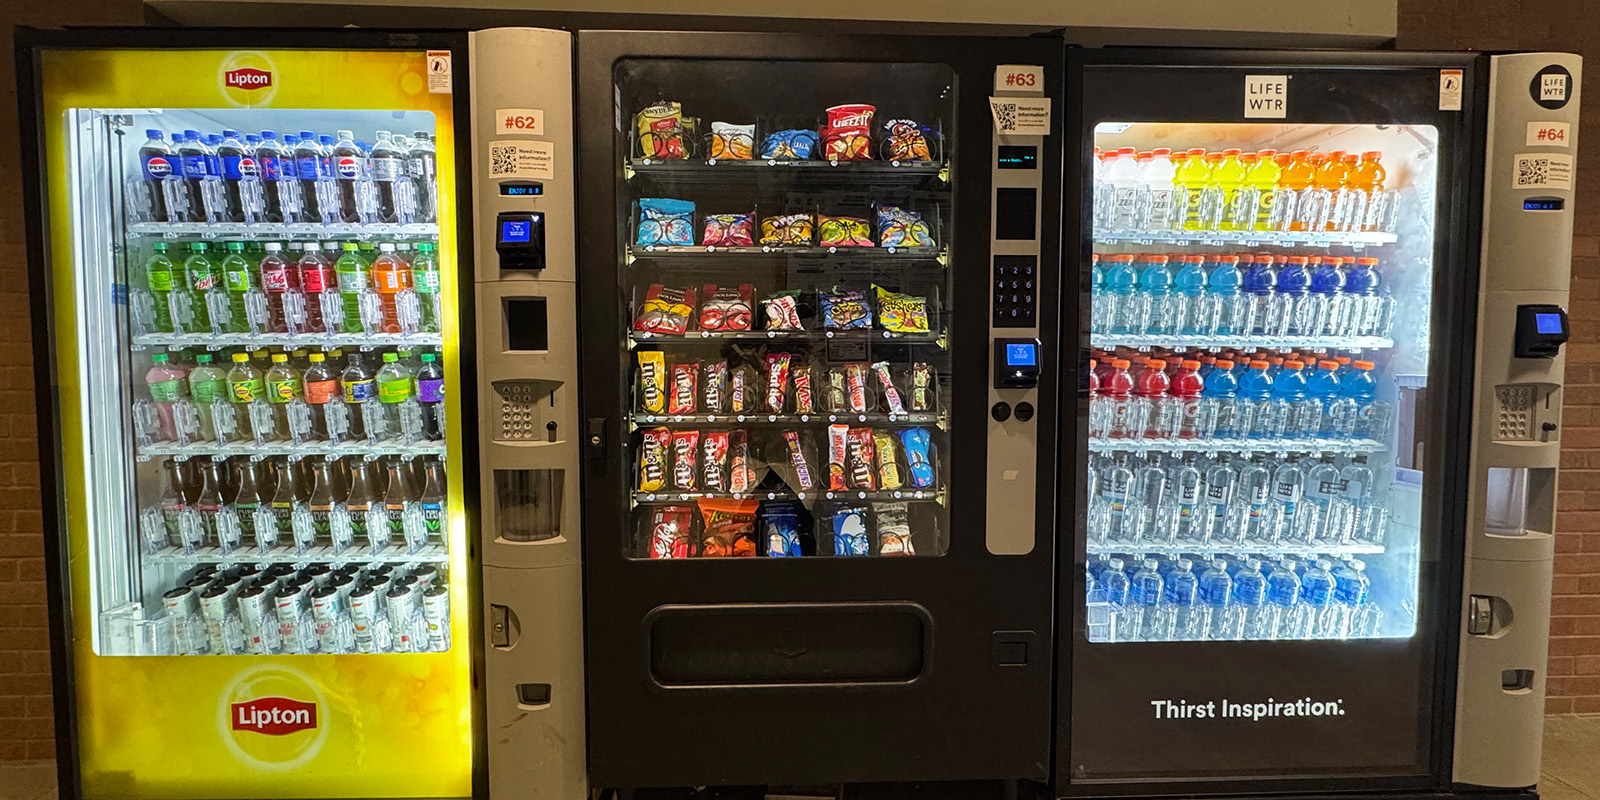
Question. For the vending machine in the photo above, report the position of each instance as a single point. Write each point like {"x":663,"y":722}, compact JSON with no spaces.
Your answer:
{"x":257,"y":270}
{"x":1307,"y":501}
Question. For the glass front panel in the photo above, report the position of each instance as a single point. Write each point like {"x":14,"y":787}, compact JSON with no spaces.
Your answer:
{"x":785,"y":272}
{"x":1260,"y":325}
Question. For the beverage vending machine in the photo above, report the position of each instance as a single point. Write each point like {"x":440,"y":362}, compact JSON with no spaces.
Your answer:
{"x":256,"y":270}
{"x":1307,"y":512}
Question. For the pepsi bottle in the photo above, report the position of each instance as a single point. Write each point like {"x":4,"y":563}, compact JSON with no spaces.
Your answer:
{"x":156,"y":165}
{"x":423,"y":169}
{"x":195,"y":159}
{"x":308,"y":168}
{"x":388,"y":168}
{"x":237,"y":165}
{"x":273,"y":165}
{"x":348,"y":167}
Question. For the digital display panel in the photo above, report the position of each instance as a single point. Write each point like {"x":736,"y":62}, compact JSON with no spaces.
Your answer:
{"x":1022,"y":355}
{"x":1548,"y":323}
{"x":515,"y":231}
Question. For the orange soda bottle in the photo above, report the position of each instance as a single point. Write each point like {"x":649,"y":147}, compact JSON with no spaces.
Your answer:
{"x":1368,"y":178}
{"x":389,"y":276}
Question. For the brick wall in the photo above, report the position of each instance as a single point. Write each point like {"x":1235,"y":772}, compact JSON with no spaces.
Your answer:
{"x":26,"y":730}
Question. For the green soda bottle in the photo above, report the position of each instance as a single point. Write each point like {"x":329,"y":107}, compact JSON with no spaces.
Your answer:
{"x":203,"y":277}
{"x":158,"y":278}
{"x":353,"y":274}
{"x":425,"y":282}
{"x":206,"y":384}
{"x":240,"y":279}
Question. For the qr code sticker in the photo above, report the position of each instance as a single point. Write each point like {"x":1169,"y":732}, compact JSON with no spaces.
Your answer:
{"x":1541,"y":171}
{"x":1533,"y":171}
{"x":502,"y":160}
{"x":1006,"y":114}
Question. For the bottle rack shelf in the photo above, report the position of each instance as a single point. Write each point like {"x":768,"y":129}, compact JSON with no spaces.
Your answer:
{"x":1247,"y":548}
{"x":673,"y":496}
{"x":936,"y":338}
{"x":1236,"y":446}
{"x":1184,"y":341}
{"x":278,"y":448}
{"x":328,"y":341}
{"x":820,"y":418}
{"x":1352,"y":239}
{"x":286,"y":230}
{"x":431,"y":554}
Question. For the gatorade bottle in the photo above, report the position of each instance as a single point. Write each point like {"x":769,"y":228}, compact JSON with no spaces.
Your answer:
{"x":166,"y":385}
{"x":240,"y":277}
{"x":389,"y":276}
{"x":1328,"y":303}
{"x":353,"y":276}
{"x":1150,"y":390}
{"x":1122,"y":175}
{"x":1263,"y":182}
{"x":203,"y":278}
{"x":1226,"y":179}
{"x":1223,"y":304}
{"x":159,"y":274}
{"x":1186,"y":389}
{"x":1296,"y":179}
{"x":1288,"y":390}
{"x":1193,"y":304}
{"x":1119,"y":389}
{"x":1221,"y":411}
{"x":316,"y":275}
{"x":1349,"y":201}
{"x":1326,"y":183}
{"x":156,"y":161}
{"x":1289,"y":305}
{"x":1158,"y":206}
{"x":1158,"y":308}
{"x":1368,"y":178}
{"x":206,"y":385}
{"x":1259,"y":282}
{"x":1323,"y":389}
{"x":244,"y":387}
{"x":1372,"y":414}
{"x":1361,"y":289}
{"x":1122,"y":282}
{"x":1255,"y":388}
{"x":1191,"y":180}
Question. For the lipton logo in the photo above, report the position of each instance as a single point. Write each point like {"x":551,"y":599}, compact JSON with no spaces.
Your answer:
{"x":274,"y":716}
{"x":247,"y":78}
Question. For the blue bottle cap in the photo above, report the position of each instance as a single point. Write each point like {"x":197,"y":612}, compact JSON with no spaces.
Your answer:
{"x":269,"y":134}
{"x":229,"y":133}
{"x":191,"y":134}
{"x":213,"y":138}
{"x":308,"y":135}
{"x":325,"y":139}
{"x":153,"y":134}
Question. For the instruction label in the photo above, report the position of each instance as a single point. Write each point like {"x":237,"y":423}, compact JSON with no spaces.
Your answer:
{"x":439,"y":77}
{"x":1451,"y":82}
{"x":1021,"y":116}
{"x":1541,"y":171}
{"x":522,"y":160}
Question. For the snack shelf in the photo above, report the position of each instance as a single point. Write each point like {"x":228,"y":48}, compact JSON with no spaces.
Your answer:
{"x":329,"y":450}
{"x":674,"y":496}
{"x":392,"y":554}
{"x":655,"y":251}
{"x":327,"y":341}
{"x":820,"y":418}
{"x":718,"y":169}
{"x":1352,"y":239}
{"x":889,"y":337}
{"x":1236,"y":446}
{"x":1245,"y":548}
{"x":285,"y":230}
{"x":1184,"y":341}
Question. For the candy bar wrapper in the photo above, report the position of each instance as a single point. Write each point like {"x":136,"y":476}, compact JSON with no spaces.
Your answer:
{"x":850,"y":532}
{"x":894,"y":528}
{"x":780,"y":524}
{"x":891,"y":396}
{"x":845,"y":309}
{"x":900,"y":228}
{"x":834,"y":394}
{"x":741,"y":475}
{"x":901,"y":313}
{"x":838,"y":454}
{"x":730,"y":141}
{"x":684,"y":445}
{"x":787,"y":229}
{"x":714,"y":387}
{"x":848,"y":134}
{"x":685,"y":379}
{"x":889,"y":476}
{"x":726,"y":308}
{"x":792,"y":145}
{"x":665,"y":221}
{"x":777,"y":382}
{"x":653,"y":447}
{"x":919,"y":461}
{"x":728,"y":230}
{"x":714,"y":461}
{"x":804,"y":403}
{"x":671,"y":531}
{"x":661,"y":131}
{"x":665,"y":310}
{"x":739,"y":387}
{"x":922,"y":386}
{"x":858,"y":460}
{"x":797,"y":457}
{"x":783,"y":311}
{"x":844,"y":232}
{"x":730,"y":528}
{"x":652,"y":381}
{"x":855,"y":379}
{"x":905,"y":140}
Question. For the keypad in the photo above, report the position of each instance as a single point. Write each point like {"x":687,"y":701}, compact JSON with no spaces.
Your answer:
{"x":1015,"y":290}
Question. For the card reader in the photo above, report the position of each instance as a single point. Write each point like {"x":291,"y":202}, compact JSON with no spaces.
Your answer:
{"x":519,"y":239}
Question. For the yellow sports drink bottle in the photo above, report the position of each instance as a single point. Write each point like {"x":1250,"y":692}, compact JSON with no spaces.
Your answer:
{"x":1191,"y":179}
{"x":1263,"y":178}
{"x":1227,"y":177}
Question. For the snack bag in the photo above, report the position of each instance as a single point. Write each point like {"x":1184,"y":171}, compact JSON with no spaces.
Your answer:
{"x":653,"y":446}
{"x":797,"y":458}
{"x":787,"y":230}
{"x":900,"y":228}
{"x":783,"y":311}
{"x":859,"y":460}
{"x":732,"y":141}
{"x":889,"y":476}
{"x":844,"y":231}
{"x":671,"y":531}
{"x":714,"y":387}
{"x":665,"y":310}
{"x":728,"y":230}
{"x":664,"y":221}
{"x":894,"y":528}
{"x":848,"y":133}
{"x":850,"y":532}
{"x":741,"y":475}
{"x":777,"y":382}
{"x":730,"y":528}
{"x":838,"y":453}
{"x":791,"y":145}
{"x":905,"y":140}
{"x":922,"y":386}
{"x":891,"y":396}
{"x":652,"y":381}
{"x":780,"y":524}
{"x":902,"y":313}
{"x":662,"y":131}
{"x":919,"y":462}
{"x":685,"y":379}
{"x":726,"y":308}
{"x":714,"y":461}
{"x":684,"y":445}
{"x":845,"y":308}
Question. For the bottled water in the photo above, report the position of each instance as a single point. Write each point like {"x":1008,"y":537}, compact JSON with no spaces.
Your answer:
{"x":1260,"y":281}
{"x":1194,"y":304}
{"x":1255,"y":496}
{"x":1287,"y":518}
{"x":1157,"y":200}
{"x":1114,"y":582}
{"x":1227,"y":309}
{"x":1150,"y":494}
{"x":1159,"y":308}
{"x":1367,"y":521}
{"x":1283,"y":596}
{"x":1144,"y":601}
{"x":1255,"y":388}
{"x":1116,"y":486}
{"x":1185,"y":622}
{"x":1246,"y":616}
{"x":1122,"y":284}
{"x":1222,"y":485}
{"x":1351,"y":587}
{"x":1215,"y":591}
{"x":1329,"y":306}
{"x":1186,"y":517}
{"x":1122,"y":178}
{"x":1325,"y":494}
{"x":1315,"y":616}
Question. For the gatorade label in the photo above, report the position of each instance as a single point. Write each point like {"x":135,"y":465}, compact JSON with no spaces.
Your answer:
{"x":431,"y":390}
{"x":394,"y":391}
{"x":159,"y":281}
{"x":1264,"y":210}
{"x":319,"y":392}
{"x":1191,"y":208}
{"x":247,"y":390}
{"x":165,"y":391}
{"x":1160,"y":209}
{"x":283,"y":391}
{"x":427,"y":281}
{"x":1124,"y":201}
{"x":275,"y":280}
{"x":314,"y":281}
{"x":385,"y":169}
{"x":194,"y":166}
{"x":155,"y":167}
{"x":359,"y":391}
{"x":308,"y":167}
{"x":207,"y":392}
{"x":238,"y":280}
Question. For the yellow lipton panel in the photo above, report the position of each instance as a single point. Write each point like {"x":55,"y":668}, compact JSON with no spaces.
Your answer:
{"x":246,"y":726}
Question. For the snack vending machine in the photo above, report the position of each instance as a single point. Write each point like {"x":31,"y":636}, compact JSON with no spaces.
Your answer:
{"x":818,"y":310}
{"x":1312,"y":481}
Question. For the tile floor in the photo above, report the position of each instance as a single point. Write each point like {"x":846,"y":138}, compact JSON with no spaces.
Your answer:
{"x":1571,"y":765}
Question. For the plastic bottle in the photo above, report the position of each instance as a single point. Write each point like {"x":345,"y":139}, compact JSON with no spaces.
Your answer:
{"x":1263,"y":181}
{"x":320,"y":386}
{"x":1349,"y":201}
{"x":1122,"y":175}
{"x":1305,"y":411}
{"x":1324,"y":492}
{"x":1098,"y":305}
{"x":1260,"y":282}
{"x":1116,"y":488}
{"x":1150,"y":389}
{"x":1326,"y":184}
{"x":160,"y":276}
{"x":1222,"y":414}
{"x":1367,"y":520}
{"x":1248,"y":615}
{"x":423,"y":167}
{"x":240,"y":278}
{"x":1327,"y":306}
{"x":206,"y":385}
{"x":1214,"y":592}
{"x":353,"y":277}
{"x":1122,"y":284}
{"x":1289,"y":297}
{"x":1289,"y":519}
{"x":1195,"y":307}
{"x":1144,"y":598}
{"x":283,"y":385}
{"x":1365,"y":619}
{"x":194,"y":159}
{"x":388,"y":169}
{"x":1315,"y":616}
{"x":1149,"y":501}
{"x":1283,"y":596}
{"x":1240,"y":213}
{"x":239,"y":169}
{"x":358,"y":390}
{"x":1227,"y":177}
{"x":1158,"y":202}
{"x":278,"y":277}
{"x":166,"y":385}
{"x":311,"y":168}
{"x":1255,"y":499}
{"x":1378,"y":205}
{"x":276,"y":165}
{"x":1179,"y":415}
{"x":1228,"y":309}
{"x":1186,"y":517}
{"x":389,"y":276}
{"x":349,"y":171}
{"x":1190,"y":179}
{"x":1255,"y":388}
{"x":1275,"y":418}
{"x":1120,"y":417}
{"x":430,"y":397}
{"x":1161,"y":309}
{"x":245,"y":386}
{"x":394,"y":386}
{"x":1371,"y":414}
{"x":157,"y":164}
{"x":316,"y":276}
{"x":204,"y":277}
{"x":1294,"y":181}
